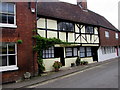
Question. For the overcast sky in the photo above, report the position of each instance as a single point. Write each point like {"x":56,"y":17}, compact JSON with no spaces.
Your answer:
{"x":106,"y":8}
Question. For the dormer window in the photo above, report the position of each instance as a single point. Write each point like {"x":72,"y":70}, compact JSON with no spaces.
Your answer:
{"x":89,"y":29}
{"x":65,"y":26}
{"x":7,"y":14}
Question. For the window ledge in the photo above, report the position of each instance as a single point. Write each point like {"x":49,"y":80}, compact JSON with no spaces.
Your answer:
{"x":8,"y":68}
{"x":8,"y":26}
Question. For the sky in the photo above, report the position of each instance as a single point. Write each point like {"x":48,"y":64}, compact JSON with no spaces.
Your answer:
{"x":106,"y":8}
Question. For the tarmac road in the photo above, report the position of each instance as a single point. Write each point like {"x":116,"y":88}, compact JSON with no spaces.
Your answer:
{"x":103,"y":76}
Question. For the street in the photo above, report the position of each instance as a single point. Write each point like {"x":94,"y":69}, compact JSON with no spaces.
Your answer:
{"x":103,"y":76}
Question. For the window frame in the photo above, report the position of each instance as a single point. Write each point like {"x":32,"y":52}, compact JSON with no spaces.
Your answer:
{"x":116,"y":36}
{"x":107,"y":34}
{"x":9,"y":67}
{"x":86,"y":29}
{"x":62,"y":24}
{"x":85,"y":52}
{"x":46,"y":52}
{"x":72,"y":52}
{"x":7,"y":24}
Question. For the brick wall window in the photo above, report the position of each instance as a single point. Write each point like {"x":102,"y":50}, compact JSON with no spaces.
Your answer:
{"x":71,"y":52}
{"x":107,"y":34}
{"x":7,"y":14}
{"x":8,"y":55}
{"x":116,"y":35}
{"x":48,"y":53}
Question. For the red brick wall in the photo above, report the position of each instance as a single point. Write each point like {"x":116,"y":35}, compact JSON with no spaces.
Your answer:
{"x":111,"y":41}
{"x":26,"y":22}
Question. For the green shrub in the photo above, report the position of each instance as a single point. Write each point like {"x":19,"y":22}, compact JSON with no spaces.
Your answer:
{"x":19,"y":41}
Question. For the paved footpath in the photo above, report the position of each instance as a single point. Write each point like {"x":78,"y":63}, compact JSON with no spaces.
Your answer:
{"x":53,"y":75}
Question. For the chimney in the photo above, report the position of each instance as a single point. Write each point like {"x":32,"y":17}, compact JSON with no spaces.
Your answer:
{"x":82,"y":4}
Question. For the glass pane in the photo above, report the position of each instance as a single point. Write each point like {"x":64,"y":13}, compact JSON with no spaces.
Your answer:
{"x":43,"y":55}
{"x":89,"y":54}
{"x":69,"y":54}
{"x":47,"y":55}
{"x":4,"y":48}
{"x":4,"y":18}
{"x":82,"y":49}
{"x":82,"y":54}
{"x":52,"y":55}
{"x":88,"y":48}
{"x":4,"y":60}
{"x":4,"y":7}
{"x":11,"y":48}
{"x":68,"y":49}
{"x":11,"y":19}
{"x":75,"y":52}
{"x":12,"y":60}
{"x":0,"y":60}
{"x":10,"y":8}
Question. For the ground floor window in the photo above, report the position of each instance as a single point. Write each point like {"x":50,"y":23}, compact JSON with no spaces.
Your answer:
{"x":85,"y":52}
{"x":71,"y":52}
{"x":108,"y":50}
{"x":48,"y":53}
{"x":8,"y":55}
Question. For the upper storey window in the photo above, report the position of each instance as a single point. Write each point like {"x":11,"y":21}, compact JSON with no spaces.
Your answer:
{"x":89,"y":29}
{"x":107,"y":34}
{"x":65,"y":26}
{"x":7,"y":14}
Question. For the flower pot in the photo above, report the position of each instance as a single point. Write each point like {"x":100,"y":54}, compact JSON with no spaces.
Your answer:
{"x":57,"y":69}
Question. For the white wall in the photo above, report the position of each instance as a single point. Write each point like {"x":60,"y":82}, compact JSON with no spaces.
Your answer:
{"x":103,"y":57}
{"x":48,"y":63}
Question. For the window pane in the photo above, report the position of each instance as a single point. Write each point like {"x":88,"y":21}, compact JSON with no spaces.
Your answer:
{"x":12,"y":60}
{"x":82,"y":54}
{"x":4,"y":48}
{"x":4,"y":7}
{"x":47,"y":55}
{"x":82,"y":49}
{"x":52,"y":55}
{"x":4,"y":60}
{"x":88,"y":48}
{"x":43,"y":55}
{"x":0,"y":60}
{"x":11,"y":19}
{"x":75,"y":52}
{"x":68,"y":49}
{"x":69,"y":54}
{"x":11,"y":48}
{"x":10,"y":8}
{"x":89,"y":54}
{"x":4,"y":18}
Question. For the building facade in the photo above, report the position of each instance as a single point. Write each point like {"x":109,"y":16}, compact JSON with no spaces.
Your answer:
{"x":17,"y":23}
{"x":75,"y":24}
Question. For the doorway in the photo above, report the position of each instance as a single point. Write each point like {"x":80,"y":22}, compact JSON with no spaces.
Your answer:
{"x":95,"y":53}
{"x":59,"y":53}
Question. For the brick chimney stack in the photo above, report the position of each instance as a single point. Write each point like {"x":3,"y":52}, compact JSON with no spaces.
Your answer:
{"x":82,"y":4}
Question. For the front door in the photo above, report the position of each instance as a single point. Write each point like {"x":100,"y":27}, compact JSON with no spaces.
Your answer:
{"x":94,"y":53}
{"x":59,"y":53}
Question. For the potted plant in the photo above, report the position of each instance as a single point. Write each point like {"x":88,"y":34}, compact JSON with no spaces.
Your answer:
{"x":81,"y":62}
{"x":19,"y":41}
{"x":77,"y":61}
{"x":57,"y":65}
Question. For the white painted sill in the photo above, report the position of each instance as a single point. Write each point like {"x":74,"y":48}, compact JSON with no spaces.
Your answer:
{"x":8,"y":26}
{"x":8,"y":68}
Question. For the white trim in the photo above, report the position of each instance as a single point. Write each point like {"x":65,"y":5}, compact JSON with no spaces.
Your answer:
{"x":8,"y":25}
{"x":8,"y":68}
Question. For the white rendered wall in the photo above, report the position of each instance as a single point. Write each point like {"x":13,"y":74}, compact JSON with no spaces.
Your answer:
{"x":48,"y":63}
{"x":103,"y":57}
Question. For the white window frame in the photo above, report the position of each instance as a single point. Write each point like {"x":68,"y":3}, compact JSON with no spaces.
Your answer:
{"x":10,"y":67}
{"x":10,"y":25}
{"x":116,"y":35}
{"x":107,"y":35}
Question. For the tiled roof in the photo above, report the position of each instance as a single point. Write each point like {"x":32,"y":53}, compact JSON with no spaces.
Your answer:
{"x":66,"y":11}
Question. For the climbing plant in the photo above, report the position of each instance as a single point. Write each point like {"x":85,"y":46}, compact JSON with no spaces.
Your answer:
{"x":42,"y":44}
